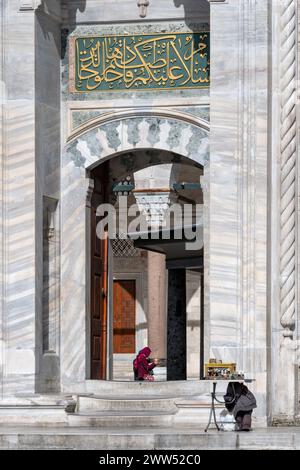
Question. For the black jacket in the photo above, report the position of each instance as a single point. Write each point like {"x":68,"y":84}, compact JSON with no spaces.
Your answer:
{"x":239,"y":398}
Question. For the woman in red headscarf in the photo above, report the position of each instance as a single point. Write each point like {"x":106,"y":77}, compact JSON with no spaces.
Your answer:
{"x":141,"y":366}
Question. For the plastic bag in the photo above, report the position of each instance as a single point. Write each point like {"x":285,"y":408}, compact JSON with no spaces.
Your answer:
{"x":227,"y":421}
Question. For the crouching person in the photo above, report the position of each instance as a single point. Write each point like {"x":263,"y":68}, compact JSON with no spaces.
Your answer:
{"x":142,"y":367}
{"x":241,"y":402}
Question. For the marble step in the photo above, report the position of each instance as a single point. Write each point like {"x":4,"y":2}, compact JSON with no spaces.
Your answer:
{"x":121,"y":419}
{"x":134,"y":403}
{"x":123,"y":372}
{"x":29,"y":438}
{"x":160,"y":389}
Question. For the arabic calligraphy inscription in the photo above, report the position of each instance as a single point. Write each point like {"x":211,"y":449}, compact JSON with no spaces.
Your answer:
{"x":142,"y":62}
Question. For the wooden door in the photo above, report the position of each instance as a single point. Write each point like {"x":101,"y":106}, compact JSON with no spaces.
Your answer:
{"x":124,"y":316}
{"x":99,"y":283}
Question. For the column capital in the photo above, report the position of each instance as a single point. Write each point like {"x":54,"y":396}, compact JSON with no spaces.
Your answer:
{"x":155,"y":204}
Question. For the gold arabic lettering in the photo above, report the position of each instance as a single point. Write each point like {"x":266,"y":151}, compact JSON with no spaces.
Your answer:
{"x":127,"y":62}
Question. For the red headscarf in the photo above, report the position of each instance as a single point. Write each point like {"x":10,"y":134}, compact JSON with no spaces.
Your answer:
{"x":145,"y":351}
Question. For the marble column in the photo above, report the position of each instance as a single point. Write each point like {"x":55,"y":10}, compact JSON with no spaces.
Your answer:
{"x":283,"y":218}
{"x":154,"y":196}
{"x":176,"y":343}
{"x":157,"y":306}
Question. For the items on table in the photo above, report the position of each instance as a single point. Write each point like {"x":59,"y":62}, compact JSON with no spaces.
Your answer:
{"x":216,"y":369}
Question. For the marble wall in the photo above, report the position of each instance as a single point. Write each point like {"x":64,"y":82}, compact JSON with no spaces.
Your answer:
{"x":30,"y":153}
{"x":18,"y":201}
{"x":238,"y":188}
{"x":77,"y":12}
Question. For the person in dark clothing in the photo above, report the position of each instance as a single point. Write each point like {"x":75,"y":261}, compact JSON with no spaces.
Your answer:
{"x":241,"y":402}
{"x":141,"y":365}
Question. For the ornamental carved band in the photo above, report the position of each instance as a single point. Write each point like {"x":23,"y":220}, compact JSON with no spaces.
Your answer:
{"x":140,"y":62}
{"x":288,"y":165}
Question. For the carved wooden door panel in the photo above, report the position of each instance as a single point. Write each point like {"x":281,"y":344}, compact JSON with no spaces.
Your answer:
{"x":124,"y":316}
{"x":99,"y":284}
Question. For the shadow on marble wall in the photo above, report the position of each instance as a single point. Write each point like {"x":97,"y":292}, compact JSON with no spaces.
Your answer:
{"x":50,"y":31}
{"x":73,"y":8}
{"x":193,"y":9}
{"x":195,"y":12}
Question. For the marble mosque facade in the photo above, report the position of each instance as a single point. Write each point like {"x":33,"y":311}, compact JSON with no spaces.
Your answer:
{"x":240,"y":134}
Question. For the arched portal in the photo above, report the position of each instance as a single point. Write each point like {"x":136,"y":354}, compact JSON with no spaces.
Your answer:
{"x":181,"y":138}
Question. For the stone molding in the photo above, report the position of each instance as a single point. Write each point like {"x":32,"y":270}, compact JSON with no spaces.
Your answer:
{"x":33,"y":5}
{"x":288,"y":42}
{"x":164,"y":113}
{"x":29,"y":5}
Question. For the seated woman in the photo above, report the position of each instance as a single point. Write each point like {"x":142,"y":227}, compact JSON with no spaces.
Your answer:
{"x":141,"y":366}
{"x":241,"y":402}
